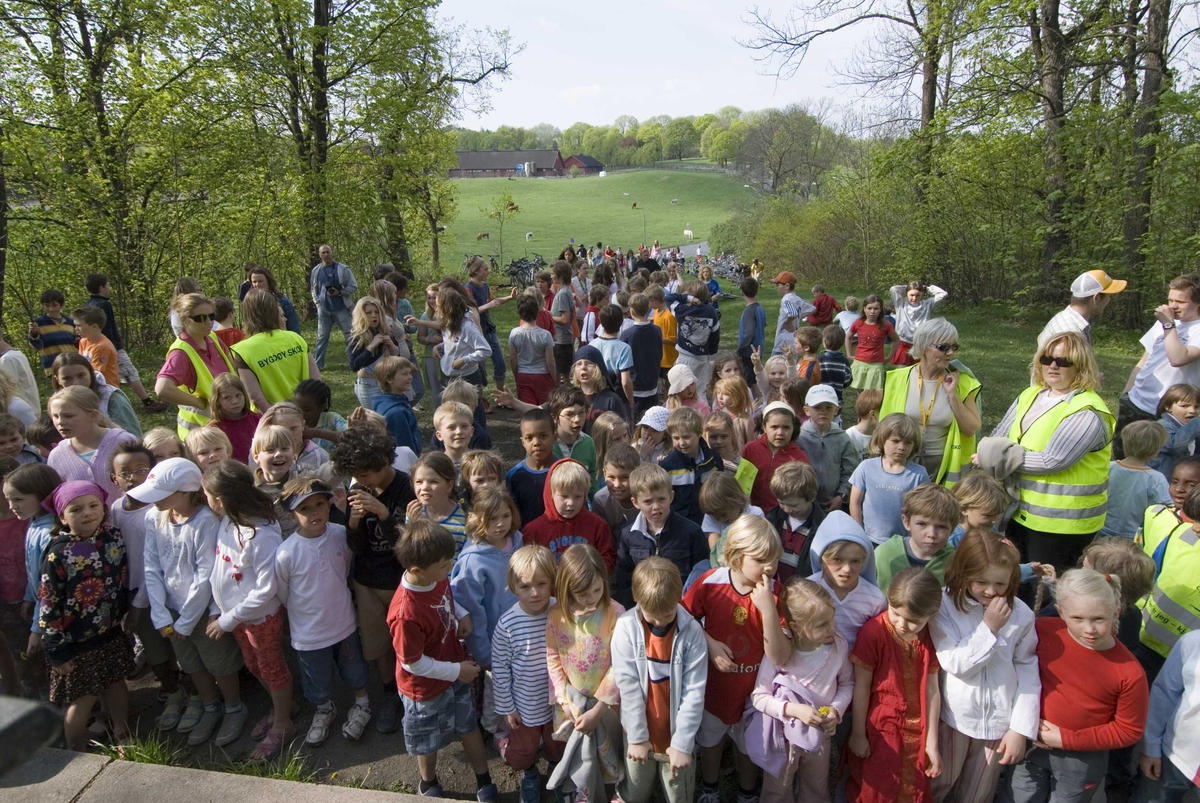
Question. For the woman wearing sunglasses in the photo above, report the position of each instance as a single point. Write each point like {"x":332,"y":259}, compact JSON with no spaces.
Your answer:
{"x":940,"y":398}
{"x":196,"y":356}
{"x":1066,"y":432}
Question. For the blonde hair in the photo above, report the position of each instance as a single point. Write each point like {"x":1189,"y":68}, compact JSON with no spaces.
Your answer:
{"x":598,"y":384}
{"x":368,"y":418}
{"x":209,"y":437}
{"x":1144,"y":439}
{"x":685,"y":419}
{"x":1078,"y":352}
{"x":801,"y":600}
{"x":580,"y":567}
{"x":795,"y":480}
{"x":83,"y":398}
{"x":917,"y":590}
{"x":602,"y":429}
{"x":721,"y":496}
{"x":450,"y":409}
{"x":270,"y":438}
{"x":461,"y":391}
{"x":901,"y":426}
{"x":1090,"y":583}
{"x":657,"y":586}
{"x":649,"y":478}
{"x":220,"y":384}
{"x":388,"y":368}
{"x":570,"y":477}
{"x":282,"y":410}
{"x":751,"y":537}
{"x":738,"y":392}
{"x":529,"y":561}
{"x":485,"y":505}
{"x":724,"y":419}
{"x":160,"y":436}
{"x":1122,"y":557}
{"x":979,"y":490}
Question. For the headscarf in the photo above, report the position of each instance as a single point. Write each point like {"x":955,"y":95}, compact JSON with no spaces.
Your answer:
{"x":63,"y":495}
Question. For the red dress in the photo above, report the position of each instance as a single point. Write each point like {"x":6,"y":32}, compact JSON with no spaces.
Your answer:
{"x":896,"y":718}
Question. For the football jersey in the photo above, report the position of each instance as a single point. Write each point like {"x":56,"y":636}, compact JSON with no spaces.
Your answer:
{"x":732,"y":619}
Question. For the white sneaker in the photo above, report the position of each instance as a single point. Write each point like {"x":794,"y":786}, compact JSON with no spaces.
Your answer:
{"x":356,"y":721}
{"x":322,"y":720}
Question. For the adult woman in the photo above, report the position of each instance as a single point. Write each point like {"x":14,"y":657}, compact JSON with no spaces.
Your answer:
{"x":941,"y":399}
{"x":1066,"y":431}
{"x":185,"y":285}
{"x":71,"y":369}
{"x":581,"y":285}
{"x":88,"y":438}
{"x":271,"y":361}
{"x":195,"y":358}
{"x":370,"y":339}
{"x":261,"y":278}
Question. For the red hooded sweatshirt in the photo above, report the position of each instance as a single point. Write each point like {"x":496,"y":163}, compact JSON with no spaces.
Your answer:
{"x":555,"y":533}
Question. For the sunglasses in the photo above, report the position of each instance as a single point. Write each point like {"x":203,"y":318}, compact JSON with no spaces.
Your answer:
{"x":946,"y":348}
{"x":202,"y":318}
{"x":1061,"y":362}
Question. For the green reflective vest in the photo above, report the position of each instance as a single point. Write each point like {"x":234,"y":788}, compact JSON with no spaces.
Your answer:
{"x":1072,"y":501}
{"x":1172,"y":608}
{"x":278,"y":359}
{"x":959,"y":447}
{"x":189,"y":418}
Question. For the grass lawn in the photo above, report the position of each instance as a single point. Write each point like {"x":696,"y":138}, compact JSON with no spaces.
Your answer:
{"x":592,"y":209}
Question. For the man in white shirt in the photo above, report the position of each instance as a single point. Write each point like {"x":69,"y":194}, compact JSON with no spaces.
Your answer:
{"x":1090,"y":294}
{"x":1172,"y":356}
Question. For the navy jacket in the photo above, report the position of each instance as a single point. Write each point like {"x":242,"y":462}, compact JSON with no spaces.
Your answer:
{"x":682,"y":542}
{"x":687,"y":474}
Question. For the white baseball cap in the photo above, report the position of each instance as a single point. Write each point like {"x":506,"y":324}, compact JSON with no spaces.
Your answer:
{"x":1089,"y":284}
{"x":821,"y":394}
{"x":655,"y":418}
{"x":170,"y":476}
{"x":680,"y":377}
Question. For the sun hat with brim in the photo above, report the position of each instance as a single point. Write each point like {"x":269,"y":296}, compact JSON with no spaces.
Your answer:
{"x":787,"y":277}
{"x":168,"y":477}
{"x":1089,"y":284}
{"x":821,"y":394}
{"x":655,"y":418}
{"x":680,"y":377}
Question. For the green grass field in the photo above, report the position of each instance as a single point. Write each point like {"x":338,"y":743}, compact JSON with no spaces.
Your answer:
{"x":592,"y":209}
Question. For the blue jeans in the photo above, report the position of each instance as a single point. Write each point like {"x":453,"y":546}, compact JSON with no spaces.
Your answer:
{"x":318,"y":667}
{"x":1170,"y":788}
{"x":417,"y":391}
{"x":324,"y":319}
{"x":498,"y":365}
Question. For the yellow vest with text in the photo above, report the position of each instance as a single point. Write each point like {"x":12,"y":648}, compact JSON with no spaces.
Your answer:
{"x":1072,"y":501}
{"x":278,"y":359}
{"x":959,"y":447}
{"x":1172,"y":608}
{"x":189,"y":418}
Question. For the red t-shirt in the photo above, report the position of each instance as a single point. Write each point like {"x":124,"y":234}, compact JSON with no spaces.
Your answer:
{"x":732,"y":619}
{"x":12,"y":560}
{"x":658,"y":697}
{"x":230,"y":336}
{"x":826,"y":305}
{"x":423,"y":623}
{"x":872,"y":337}
{"x":766,"y":461}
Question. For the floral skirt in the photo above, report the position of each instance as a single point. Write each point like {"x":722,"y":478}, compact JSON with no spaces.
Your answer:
{"x":93,"y":671}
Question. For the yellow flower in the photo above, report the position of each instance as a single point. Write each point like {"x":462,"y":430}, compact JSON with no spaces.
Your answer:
{"x":824,"y":710}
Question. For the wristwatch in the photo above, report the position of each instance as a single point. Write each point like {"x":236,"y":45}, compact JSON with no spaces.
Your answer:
{"x":1168,"y":326}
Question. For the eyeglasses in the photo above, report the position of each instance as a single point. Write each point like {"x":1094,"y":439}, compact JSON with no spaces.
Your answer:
{"x":129,"y":476}
{"x":946,"y":348}
{"x":1061,"y":362}
{"x":202,"y":318}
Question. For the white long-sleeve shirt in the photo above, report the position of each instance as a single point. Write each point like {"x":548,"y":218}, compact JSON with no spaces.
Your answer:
{"x":179,"y":561}
{"x":311,"y":576}
{"x":132,"y":524}
{"x":990,"y":682}
{"x":468,"y":345}
{"x":243,"y":577}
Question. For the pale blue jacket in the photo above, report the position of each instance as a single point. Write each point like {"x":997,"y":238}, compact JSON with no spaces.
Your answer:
{"x":479,"y":582}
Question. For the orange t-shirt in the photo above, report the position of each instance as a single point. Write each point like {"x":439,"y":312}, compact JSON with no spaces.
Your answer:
{"x":103,"y":357}
{"x":658,"y":698}
{"x":664,"y":319}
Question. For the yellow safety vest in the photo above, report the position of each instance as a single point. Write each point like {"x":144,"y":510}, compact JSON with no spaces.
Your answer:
{"x":1172,"y":608}
{"x":1158,"y":523}
{"x":189,"y":418}
{"x":278,"y":359}
{"x":959,"y":447}
{"x":1072,"y":501}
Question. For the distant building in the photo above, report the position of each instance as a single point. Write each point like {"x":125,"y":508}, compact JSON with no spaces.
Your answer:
{"x":587,"y":165}
{"x":502,"y":164}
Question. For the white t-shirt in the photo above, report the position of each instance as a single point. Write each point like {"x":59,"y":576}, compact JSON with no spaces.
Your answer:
{"x":311,"y":574}
{"x":1157,"y":375}
{"x":132,"y":524}
{"x":17,"y":365}
{"x":866,"y":601}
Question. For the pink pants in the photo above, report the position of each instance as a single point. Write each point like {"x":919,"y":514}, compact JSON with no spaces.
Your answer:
{"x":806,"y":778}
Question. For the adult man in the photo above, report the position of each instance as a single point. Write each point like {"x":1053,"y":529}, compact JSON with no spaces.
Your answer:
{"x":1172,"y":355}
{"x":1090,"y":294}
{"x":333,"y":287}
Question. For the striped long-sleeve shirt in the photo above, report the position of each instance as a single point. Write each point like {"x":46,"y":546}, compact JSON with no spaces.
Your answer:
{"x":521,"y":678}
{"x":1077,"y":435}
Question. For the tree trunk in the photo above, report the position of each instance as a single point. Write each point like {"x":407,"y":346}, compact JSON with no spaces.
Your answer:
{"x":3,"y":222}
{"x":930,"y":62}
{"x":318,"y":114}
{"x":434,"y":244}
{"x":395,"y":238}
{"x":1052,"y":66}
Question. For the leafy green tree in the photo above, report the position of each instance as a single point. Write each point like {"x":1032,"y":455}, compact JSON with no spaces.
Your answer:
{"x":501,"y":209}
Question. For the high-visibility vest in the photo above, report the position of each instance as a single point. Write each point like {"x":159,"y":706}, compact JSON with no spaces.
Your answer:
{"x":1159,"y":522}
{"x":189,"y":418}
{"x":1072,"y":501}
{"x":1173,"y":606}
{"x":278,"y":359}
{"x":959,"y":447}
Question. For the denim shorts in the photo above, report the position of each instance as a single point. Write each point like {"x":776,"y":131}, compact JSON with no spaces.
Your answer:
{"x":430,"y":725}
{"x":317,"y":668}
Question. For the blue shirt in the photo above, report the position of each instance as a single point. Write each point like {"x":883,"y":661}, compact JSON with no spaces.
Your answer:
{"x":752,"y":330}
{"x":1130,"y":492}
{"x":526,"y":487}
{"x":37,"y":538}
{"x":884,"y":495}
{"x":618,"y":356}
{"x":325,"y":276}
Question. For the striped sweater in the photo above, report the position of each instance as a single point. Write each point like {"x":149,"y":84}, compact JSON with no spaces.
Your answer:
{"x":53,"y":338}
{"x":521,"y":678}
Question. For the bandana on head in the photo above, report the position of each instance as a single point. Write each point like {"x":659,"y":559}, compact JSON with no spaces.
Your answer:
{"x":57,"y":502}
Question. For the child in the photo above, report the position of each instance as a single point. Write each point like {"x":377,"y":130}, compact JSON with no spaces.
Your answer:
{"x":165,"y":444}
{"x":732,"y":396}
{"x":1123,"y":559}
{"x":659,"y":529}
{"x":726,"y":365}
{"x":878,"y":485}
{"x":72,"y":369}
{"x":568,"y":408}
{"x":664,"y":319}
{"x":792,"y":309}
{"x":42,"y":436}
{"x":597,"y":298}
{"x":866,"y":410}
{"x":646,"y":343}
{"x":27,"y":489}
{"x":430,"y":337}
{"x":609,"y":431}
{"x":1169,"y":763}
{"x":1184,"y":477}
{"x":894,"y":737}
{"x":531,"y":354}
{"x":434,"y":481}
{"x":180,"y":550}
{"x":480,"y":570}
{"x":52,"y":333}
{"x":452,"y":426}
{"x":683,"y":391}
{"x":321,"y":425}
{"x":828,"y":447}
{"x":466,"y":394}
{"x":835,"y":368}
{"x":843,"y":557}
{"x":521,"y":679}
{"x":1132,"y":485}
{"x":311,"y":570}
{"x":849,"y":315}
{"x":688,"y":463}
{"x":752,"y":327}
{"x":870,"y":335}
{"x":1177,"y":413}
{"x":395,"y":377}
{"x":231,"y":413}
{"x":99,"y":291}
{"x":794,"y":392}
{"x":562,"y":310}
{"x":226,"y":328}
{"x":650,"y":437}
{"x":208,"y":446}
{"x":614,"y":502}
{"x":810,"y":693}
{"x":796,"y":518}
{"x":739,"y":632}
{"x":99,"y":350}
{"x":928,"y":513}
{"x":245,"y":589}
{"x":309,"y":456}
{"x":88,"y":440}
{"x":618,"y":356}
{"x":724,"y":438}
{"x":982,"y":502}
{"x":83,"y":598}
{"x":275,"y":461}
{"x":579,"y":636}
{"x":772,"y":450}
{"x":808,"y":346}
{"x":567,"y":520}
{"x":770,"y":376}
{"x":480,"y":469}
{"x":660,"y":667}
{"x":12,"y":441}
{"x":723,"y":502}
{"x":14,"y":628}
{"x":464,"y":348}
{"x":986,"y":647}
{"x":912,"y":309}
{"x":526,"y":480}
{"x":1094,"y":693}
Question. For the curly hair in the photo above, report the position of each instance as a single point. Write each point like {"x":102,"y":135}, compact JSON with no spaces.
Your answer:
{"x":361,"y":450}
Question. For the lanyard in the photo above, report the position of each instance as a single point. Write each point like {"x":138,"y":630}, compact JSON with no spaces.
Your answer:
{"x":926,"y":414}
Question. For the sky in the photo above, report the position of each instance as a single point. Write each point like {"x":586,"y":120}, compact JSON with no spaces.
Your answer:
{"x":599,"y":60}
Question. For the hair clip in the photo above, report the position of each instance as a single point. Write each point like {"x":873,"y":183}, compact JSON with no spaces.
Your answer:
{"x":1108,"y":577}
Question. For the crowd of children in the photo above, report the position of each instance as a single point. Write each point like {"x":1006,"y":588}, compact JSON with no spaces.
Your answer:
{"x":693,"y":555}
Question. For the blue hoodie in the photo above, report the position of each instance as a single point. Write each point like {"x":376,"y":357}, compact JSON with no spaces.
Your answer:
{"x":479,"y":583}
{"x":397,"y":412}
{"x":838,"y":526}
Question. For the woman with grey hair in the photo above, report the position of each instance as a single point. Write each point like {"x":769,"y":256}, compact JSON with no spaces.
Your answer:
{"x":940,"y":398}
